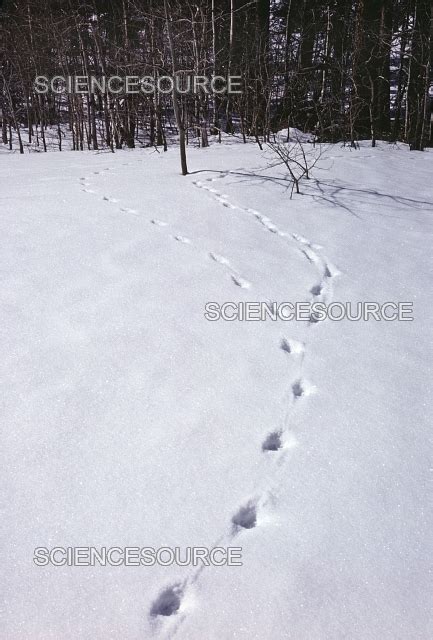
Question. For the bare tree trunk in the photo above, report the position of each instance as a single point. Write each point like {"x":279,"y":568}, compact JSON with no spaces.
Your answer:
{"x":175,"y":95}
{"x":401,"y":81}
{"x":419,"y":76}
{"x":4,"y":130}
{"x":229,"y":125}
{"x":215,"y":125}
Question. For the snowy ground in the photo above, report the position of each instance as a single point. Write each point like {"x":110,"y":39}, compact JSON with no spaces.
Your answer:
{"x":130,"y":420}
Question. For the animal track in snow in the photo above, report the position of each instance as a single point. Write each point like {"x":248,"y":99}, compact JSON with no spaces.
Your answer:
{"x":236,"y":278}
{"x":159,"y":223}
{"x":331,"y":271}
{"x":303,"y":240}
{"x":168,"y":602}
{"x":265,"y":221}
{"x":308,"y":248}
{"x":311,"y":256}
{"x":272,"y":442}
{"x":301,"y":388}
{"x":258,"y":215}
{"x":225,"y":202}
{"x":182,"y":239}
{"x":240,"y":282}
{"x":269,"y":226}
{"x":278,"y":439}
{"x":128,"y":210}
{"x":246,"y":517}
{"x":314,"y":319}
{"x":108,"y":199}
{"x":298,"y":389}
{"x":219,"y":259}
{"x":292,"y":346}
{"x":317,"y":289}
{"x":300,"y":239}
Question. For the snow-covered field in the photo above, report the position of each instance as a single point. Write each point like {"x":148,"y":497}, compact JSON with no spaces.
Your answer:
{"x":130,"y":420}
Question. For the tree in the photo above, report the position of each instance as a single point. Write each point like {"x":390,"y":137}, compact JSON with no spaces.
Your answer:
{"x":175,"y":93}
{"x":418,"y":102}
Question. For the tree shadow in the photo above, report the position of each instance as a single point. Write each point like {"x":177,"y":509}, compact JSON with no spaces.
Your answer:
{"x":334,"y":193}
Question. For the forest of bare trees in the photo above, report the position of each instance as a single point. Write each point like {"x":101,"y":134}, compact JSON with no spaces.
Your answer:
{"x":343,"y":70}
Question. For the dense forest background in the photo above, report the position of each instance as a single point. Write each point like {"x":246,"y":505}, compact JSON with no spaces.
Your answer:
{"x":343,"y":70}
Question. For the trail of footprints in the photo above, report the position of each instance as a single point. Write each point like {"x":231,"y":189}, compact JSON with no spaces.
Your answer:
{"x":248,"y":514}
{"x":169,"y":601}
{"x":235,"y":276}
{"x":322,"y":290}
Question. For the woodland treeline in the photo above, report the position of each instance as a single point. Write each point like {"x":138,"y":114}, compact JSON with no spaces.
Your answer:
{"x":343,"y":70}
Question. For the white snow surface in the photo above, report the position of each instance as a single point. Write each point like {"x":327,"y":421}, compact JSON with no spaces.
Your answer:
{"x":128,"y":419}
{"x":294,"y":135}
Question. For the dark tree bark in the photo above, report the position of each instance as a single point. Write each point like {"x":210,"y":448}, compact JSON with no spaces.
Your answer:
{"x":418,"y":104}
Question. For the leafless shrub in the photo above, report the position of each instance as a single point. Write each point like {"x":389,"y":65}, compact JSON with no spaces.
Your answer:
{"x":299,"y":156}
